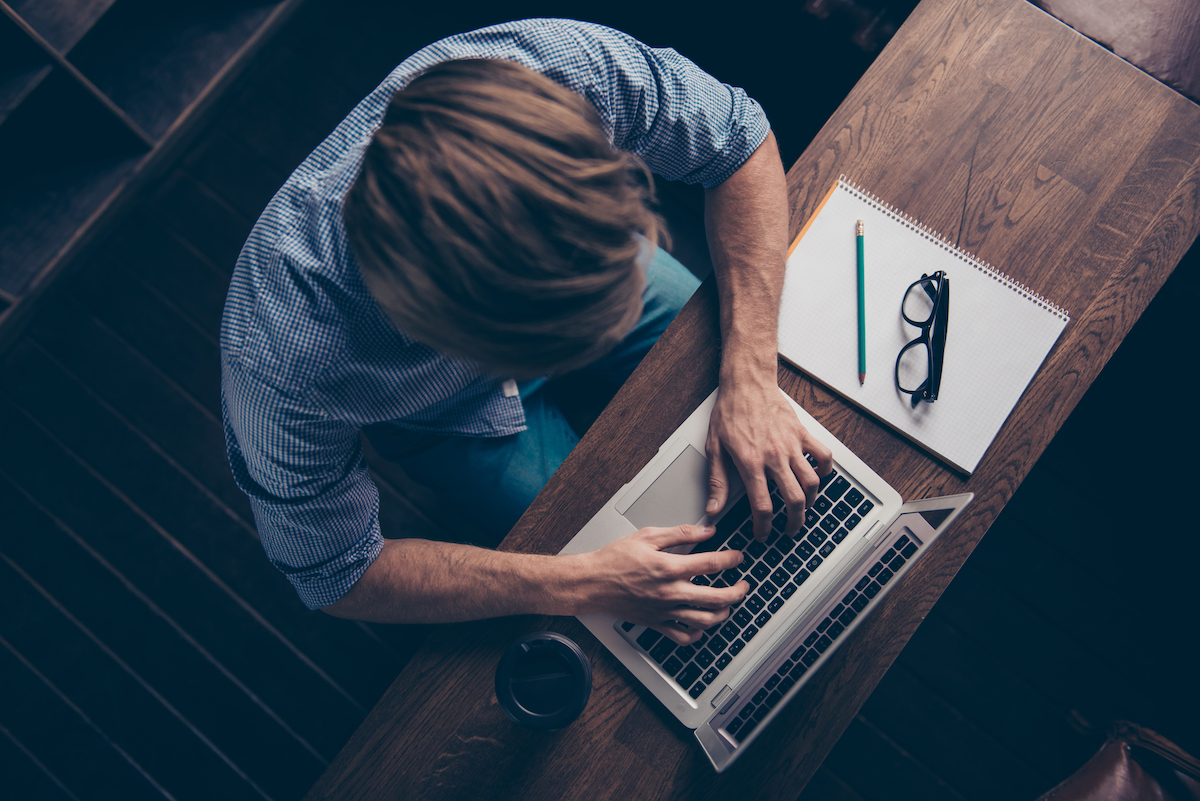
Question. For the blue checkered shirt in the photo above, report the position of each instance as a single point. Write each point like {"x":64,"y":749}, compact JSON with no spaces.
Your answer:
{"x":308,"y":358}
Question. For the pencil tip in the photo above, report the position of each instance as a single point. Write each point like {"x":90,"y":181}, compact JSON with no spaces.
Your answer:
{"x":862,"y":378}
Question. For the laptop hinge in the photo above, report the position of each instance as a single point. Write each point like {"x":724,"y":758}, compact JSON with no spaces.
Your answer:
{"x":724,"y":700}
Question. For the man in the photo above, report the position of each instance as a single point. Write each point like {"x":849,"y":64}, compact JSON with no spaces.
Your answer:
{"x":482,"y":217}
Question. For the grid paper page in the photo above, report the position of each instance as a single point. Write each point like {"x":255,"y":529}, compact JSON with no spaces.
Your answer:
{"x":997,"y":332}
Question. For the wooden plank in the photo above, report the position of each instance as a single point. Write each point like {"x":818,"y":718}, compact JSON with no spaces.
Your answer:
{"x":61,"y":22}
{"x":236,"y":173}
{"x":826,"y":786}
{"x":189,"y":356}
{"x":70,"y":746}
{"x":193,"y":522}
{"x":877,"y":769}
{"x":188,"y":432}
{"x":200,"y":218}
{"x":179,"y":273}
{"x":178,"y":583}
{"x":1016,"y":714}
{"x":115,"y":699}
{"x":946,"y":742}
{"x":24,"y":776}
{"x":176,"y":668}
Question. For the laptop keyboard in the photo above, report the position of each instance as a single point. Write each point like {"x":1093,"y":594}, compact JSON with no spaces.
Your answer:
{"x":821,"y":638}
{"x":775,"y":569}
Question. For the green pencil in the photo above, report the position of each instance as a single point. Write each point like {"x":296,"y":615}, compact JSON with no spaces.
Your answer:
{"x":862,"y":312}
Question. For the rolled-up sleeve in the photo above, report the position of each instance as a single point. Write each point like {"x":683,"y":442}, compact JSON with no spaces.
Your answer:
{"x":315,"y":506}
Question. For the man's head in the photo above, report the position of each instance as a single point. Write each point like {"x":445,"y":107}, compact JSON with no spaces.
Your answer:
{"x":492,"y":220}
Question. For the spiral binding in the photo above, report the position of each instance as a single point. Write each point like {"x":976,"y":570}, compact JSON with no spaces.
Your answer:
{"x":933,"y":236}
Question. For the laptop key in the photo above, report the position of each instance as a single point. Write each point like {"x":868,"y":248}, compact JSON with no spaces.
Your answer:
{"x":837,"y":610}
{"x":810,"y":656}
{"x":780,"y":577}
{"x":827,"y":548}
{"x":767,"y":592}
{"x":822,"y":504}
{"x":826,"y":479}
{"x":687,"y":677}
{"x":792,"y":564}
{"x":872,"y":590}
{"x":887,"y":555}
{"x":804,"y":550}
{"x":838,"y":488}
{"x":854,"y":497}
{"x":662,"y":650}
{"x":758,"y":698}
{"x":835,"y":630}
{"x":824,"y":624}
{"x":701,"y":581}
{"x":626,"y":626}
{"x":860,"y":603}
{"x":749,"y":632}
{"x":752,"y":581}
{"x":775,"y":605}
{"x":709,"y":676}
{"x":754,"y":603}
{"x":705,"y":658}
{"x":717,"y":643}
{"x":848,"y":616}
{"x":909,"y":550}
{"x":852,"y":521}
{"x":760,"y":570}
{"x":814,"y":563}
{"x":788,"y":590}
{"x":741,"y":618}
{"x":672,"y":666}
{"x":773,"y":557}
{"x":800,"y":577}
{"x":849,"y":597}
{"x":737,"y":542}
{"x":762,"y":619}
{"x":697,"y":689}
{"x":736,"y":647}
{"x":884,"y":576}
{"x":839,"y":535}
{"x":817,"y":537}
{"x":875,"y":568}
{"x":732,"y":576}
{"x":862,"y":583}
{"x":829,"y":523}
{"x":822,"y":645}
{"x":786,"y":685}
{"x":810,"y":518}
{"x":685,"y":652}
{"x":842,"y":510}
{"x":647,"y":639}
{"x":723,"y":661}
{"x":897,"y":563}
{"x":864,"y":507}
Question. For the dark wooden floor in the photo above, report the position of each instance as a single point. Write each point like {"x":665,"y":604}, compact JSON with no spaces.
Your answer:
{"x":147,"y":648}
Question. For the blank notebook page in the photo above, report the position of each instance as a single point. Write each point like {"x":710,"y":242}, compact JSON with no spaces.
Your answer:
{"x":998,"y":333}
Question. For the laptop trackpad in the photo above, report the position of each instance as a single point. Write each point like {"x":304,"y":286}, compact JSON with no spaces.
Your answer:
{"x":677,"y":496}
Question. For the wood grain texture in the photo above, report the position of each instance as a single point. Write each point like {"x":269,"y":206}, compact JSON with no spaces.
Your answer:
{"x":1014,"y":137}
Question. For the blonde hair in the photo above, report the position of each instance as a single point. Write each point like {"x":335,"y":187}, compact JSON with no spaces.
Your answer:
{"x":492,"y":220}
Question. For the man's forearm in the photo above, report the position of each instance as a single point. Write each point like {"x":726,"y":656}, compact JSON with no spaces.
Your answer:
{"x":746,"y":219}
{"x":423,"y":581}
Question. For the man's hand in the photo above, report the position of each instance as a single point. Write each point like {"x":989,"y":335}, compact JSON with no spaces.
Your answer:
{"x":635,"y":579}
{"x":754,"y":430}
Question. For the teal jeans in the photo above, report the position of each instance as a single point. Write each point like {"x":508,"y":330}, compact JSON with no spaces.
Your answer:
{"x":495,"y":479}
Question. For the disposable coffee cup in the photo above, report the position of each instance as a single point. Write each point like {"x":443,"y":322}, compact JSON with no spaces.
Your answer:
{"x":543,"y":681}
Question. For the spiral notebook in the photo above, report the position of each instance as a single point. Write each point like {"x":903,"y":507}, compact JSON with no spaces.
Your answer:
{"x":998,"y":332}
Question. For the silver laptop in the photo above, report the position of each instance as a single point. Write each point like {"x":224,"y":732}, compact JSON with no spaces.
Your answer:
{"x":807,"y":593}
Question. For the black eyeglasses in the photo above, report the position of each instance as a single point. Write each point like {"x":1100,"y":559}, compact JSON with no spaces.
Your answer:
{"x":926,"y":305}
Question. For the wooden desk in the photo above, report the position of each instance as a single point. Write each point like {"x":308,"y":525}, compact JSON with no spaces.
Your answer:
{"x":999,"y":127}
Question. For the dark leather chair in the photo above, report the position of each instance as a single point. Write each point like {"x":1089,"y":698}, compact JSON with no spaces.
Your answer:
{"x":1134,"y":764}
